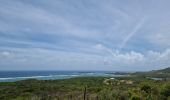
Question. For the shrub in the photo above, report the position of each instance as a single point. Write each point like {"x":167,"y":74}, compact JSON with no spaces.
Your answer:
{"x":146,"y":88}
{"x":165,"y":91}
{"x":135,"y":97}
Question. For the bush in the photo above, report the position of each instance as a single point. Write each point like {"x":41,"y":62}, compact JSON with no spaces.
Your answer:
{"x":135,"y":97}
{"x":146,"y":88}
{"x":165,"y":91}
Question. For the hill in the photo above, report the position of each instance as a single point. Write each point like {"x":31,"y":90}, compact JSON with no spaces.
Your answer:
{"x":166,"y":70}
{"x":162,"y":73}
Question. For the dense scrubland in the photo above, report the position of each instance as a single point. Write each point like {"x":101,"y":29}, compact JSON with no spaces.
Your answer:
{"x":88,"y":88}
{"x":132,"y":87}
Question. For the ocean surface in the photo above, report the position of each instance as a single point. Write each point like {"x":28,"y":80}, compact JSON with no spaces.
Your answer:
{"x":12,"y":76}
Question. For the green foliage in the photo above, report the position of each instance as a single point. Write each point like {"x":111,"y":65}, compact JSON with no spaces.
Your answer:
{"x":146,"y":88}
{"x":165,"y":91}
{"x":96,"y":89}
{"x":135,"y":97}
{"x":164,"y":74}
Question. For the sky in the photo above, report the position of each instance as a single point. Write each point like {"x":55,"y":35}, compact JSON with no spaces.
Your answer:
{"x":113,"y":35}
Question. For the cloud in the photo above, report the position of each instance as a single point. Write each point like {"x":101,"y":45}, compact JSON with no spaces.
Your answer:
{"x":5,"y":53}
{"x":133,"y":32}
{"x":31,"y":19}
{"x":97,"y":34}
{"x":39,"y":58}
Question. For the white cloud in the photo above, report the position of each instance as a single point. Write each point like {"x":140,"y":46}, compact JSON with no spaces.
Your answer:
{"x":146,"y":61}
{"x":88,"y":34}
{"x":37,"y":57}
{"x":5,"y":53}
{"x":133,"y":32}
{"x":33,"y":19}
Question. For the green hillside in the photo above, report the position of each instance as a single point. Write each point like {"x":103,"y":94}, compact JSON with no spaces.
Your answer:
{"x":162,"y":73}
{"x":166,"y":70}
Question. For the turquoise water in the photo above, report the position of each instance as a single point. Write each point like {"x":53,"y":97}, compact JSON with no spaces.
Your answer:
{"x":11,"y":76}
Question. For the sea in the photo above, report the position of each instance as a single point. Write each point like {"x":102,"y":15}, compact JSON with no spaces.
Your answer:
{"x":12,"y":76}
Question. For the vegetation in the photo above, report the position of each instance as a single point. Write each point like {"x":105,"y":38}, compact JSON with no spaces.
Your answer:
{"x":88,"y":88}
{"x":133,"y":87}
{"x":164,"y":73}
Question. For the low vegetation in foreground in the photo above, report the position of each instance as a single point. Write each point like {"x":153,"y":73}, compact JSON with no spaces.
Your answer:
{"x":87,"y":88}
{"x":135,"y":86}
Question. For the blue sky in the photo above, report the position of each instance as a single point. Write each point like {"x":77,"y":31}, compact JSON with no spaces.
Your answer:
{"x":84,"y":34}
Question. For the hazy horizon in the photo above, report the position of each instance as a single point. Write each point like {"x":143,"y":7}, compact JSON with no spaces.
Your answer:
{"x":115,"y":35}
{"x":65,"y":70}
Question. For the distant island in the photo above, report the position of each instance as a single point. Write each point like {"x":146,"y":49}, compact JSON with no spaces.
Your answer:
{"x":151,"y":85}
